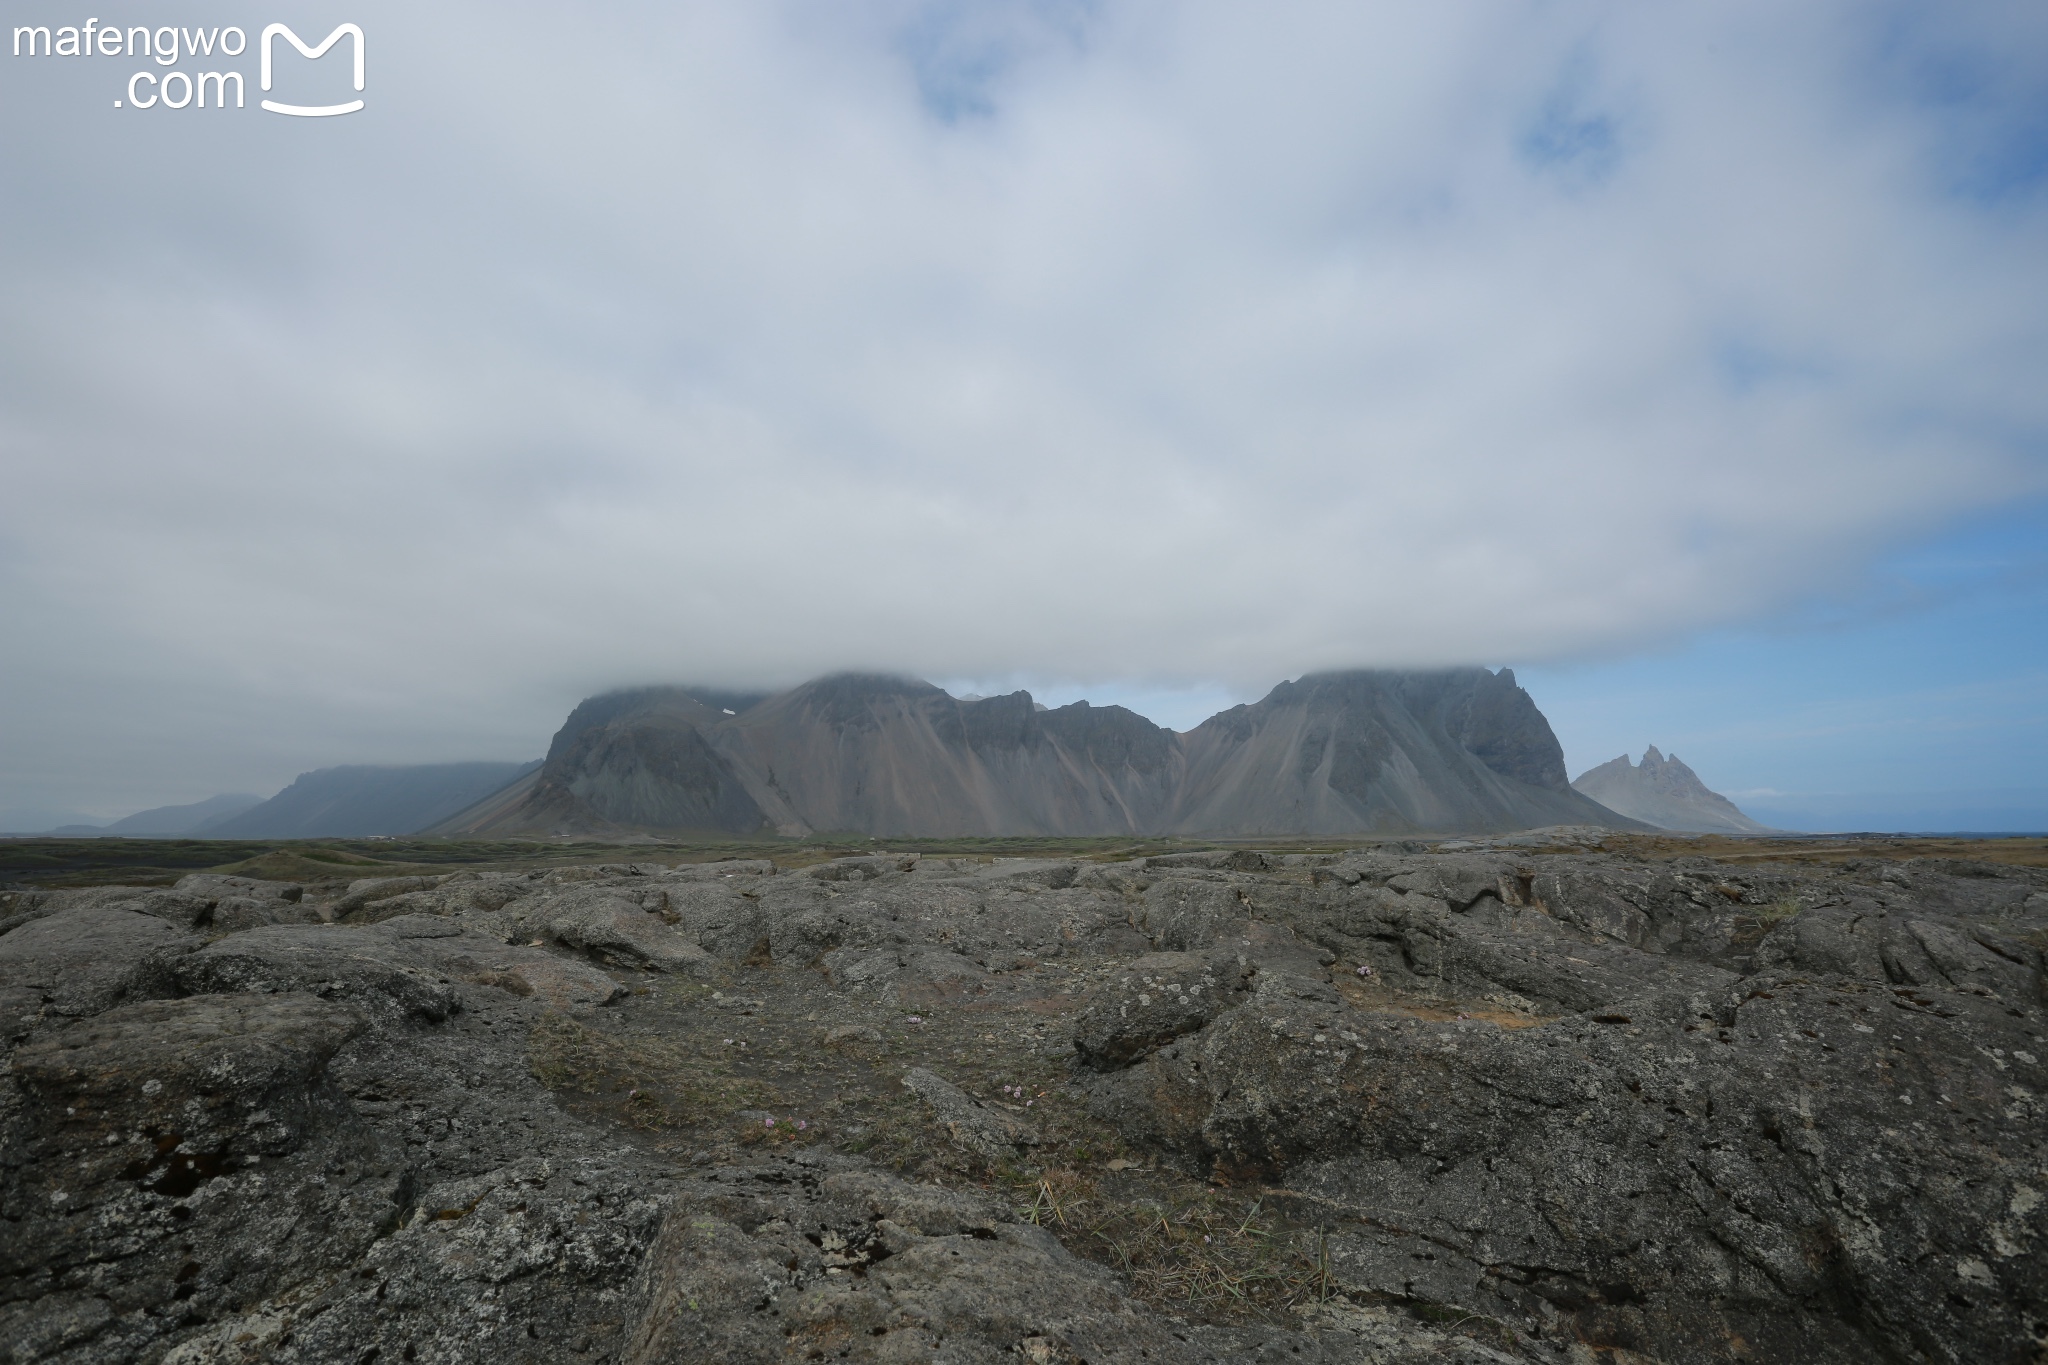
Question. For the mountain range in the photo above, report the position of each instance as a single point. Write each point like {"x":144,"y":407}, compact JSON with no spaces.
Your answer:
{"x":351,"y":802}
{"x":1331,"y":754}
{"x":168,"y":822}
{"x":1461,"y":750}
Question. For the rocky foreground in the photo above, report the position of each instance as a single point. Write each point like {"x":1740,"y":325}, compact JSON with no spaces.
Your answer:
{"x":1480,"y":1104}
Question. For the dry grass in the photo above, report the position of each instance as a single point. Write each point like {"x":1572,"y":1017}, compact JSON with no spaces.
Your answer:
{"x":2017,"y":851}
{"x":1778,"y":911}
{"x":652,"y":1083}
{"x":1375,"y":997}
{"x":1205,"y":1252}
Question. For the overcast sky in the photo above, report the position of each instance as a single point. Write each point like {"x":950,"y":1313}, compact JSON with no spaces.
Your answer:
{"x":1121,"y":349}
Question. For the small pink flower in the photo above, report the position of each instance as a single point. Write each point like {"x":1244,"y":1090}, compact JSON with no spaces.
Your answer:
{"x":769,"y":1122}
{"x":802,"y":1124}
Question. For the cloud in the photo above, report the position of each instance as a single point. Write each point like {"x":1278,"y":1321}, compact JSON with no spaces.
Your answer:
{"x":1173,"y":346}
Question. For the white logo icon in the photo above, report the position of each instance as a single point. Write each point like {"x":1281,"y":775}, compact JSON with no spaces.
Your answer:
{"x":312,"y":110}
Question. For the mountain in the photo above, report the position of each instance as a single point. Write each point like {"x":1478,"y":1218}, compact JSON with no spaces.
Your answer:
{"x":172,"y":821}
{"x":1454,"y":750}
{"x":1341,"y":753}
{"x":883,"y":755}
{"x":628,"y":760}
{"x":1666,"y":793}
{"x":354,"y":802}
{"x":852,"y":752}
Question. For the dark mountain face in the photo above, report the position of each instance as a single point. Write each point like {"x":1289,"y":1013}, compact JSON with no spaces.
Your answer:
{"x":1111,"y":737}
{"x":1337,"y":753}
{"x":881,"y":755}
{"x":847,"y":702}
{"x":1457,"y":749}
{"x":595,"y":713}
{"x":653,"y":769}
{"x":634,"y":759}
{"x":1499,"y":724}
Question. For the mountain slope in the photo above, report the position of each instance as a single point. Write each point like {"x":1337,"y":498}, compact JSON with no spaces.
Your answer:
{"x":1456,"y":750}
{"x":853,"y":752}
{"x":354,"y":802}
{"x":1380,"y":751}
{"x":1665,"y":793}
{"x":170,"y":821}
{"x":633,"y":760}
{"x":883,"y":755}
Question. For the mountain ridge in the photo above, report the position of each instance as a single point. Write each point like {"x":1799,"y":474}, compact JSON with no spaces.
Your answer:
{"x":1337,"y":753}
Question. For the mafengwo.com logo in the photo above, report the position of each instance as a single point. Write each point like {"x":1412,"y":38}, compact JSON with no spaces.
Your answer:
{"x":166,"y":83}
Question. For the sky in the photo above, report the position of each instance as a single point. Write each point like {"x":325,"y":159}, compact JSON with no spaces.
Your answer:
{"x":1686,"y":358}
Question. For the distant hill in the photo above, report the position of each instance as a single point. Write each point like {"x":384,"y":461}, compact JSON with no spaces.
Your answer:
{"x":355,"y":802}
{"x":166,"y":822}
{"x":1665,"y":793}
{"x":1461,"y":750}
{"x":25,"y":820}
{"x":172,"y":821}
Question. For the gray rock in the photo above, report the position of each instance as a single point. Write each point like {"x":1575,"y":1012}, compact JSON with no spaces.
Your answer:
{"x":181,"y":908}
{"x":174,"y":1159}
{"x":914,"y":977}
{"x":215,"y":886}
{"x":377,"y":972}
{"x":533,"y":1261}
{"x":878,"y":1270}
{"x":862,"y":869}
{"x":973,"y":1126}
{"x":723,"y":870}
{"x":1154,"y":1000}
{"x":921,"y":1210}
{"x":1183,"y":914}
{"x":366,"y":891}
{"x":1556,"y":1152}
{"x":559,"y":983}
{"x":79,"y":962}
{"x":1580,"y":1105}
{"x":616,"y":929}
{"x":233,"y":914}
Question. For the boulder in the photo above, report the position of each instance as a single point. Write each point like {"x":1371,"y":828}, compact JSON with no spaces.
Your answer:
{"x":376,"y":972}
{"x":216,"y":887}
{"x":83,"y":961}
{"x":616,"y":929}
{"x":559,"y":983}
{"x":1156,"y":999}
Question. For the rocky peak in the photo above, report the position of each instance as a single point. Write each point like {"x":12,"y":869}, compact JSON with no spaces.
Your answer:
{"x":1664,"y":792}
